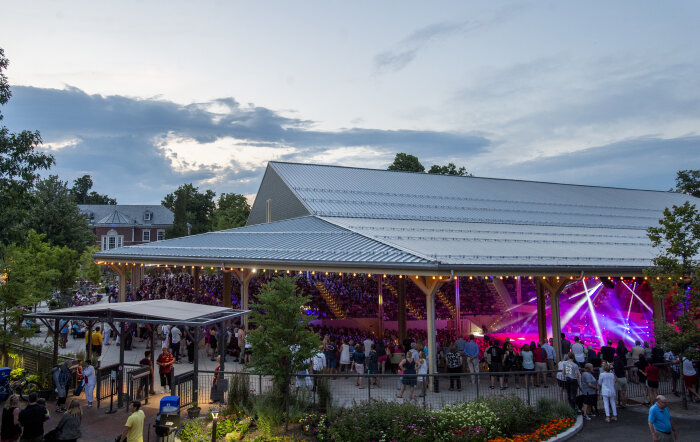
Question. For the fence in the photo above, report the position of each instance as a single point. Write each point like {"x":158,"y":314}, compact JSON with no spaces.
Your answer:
{"x":183,"y":386}
{"x":34,"y":362}
{"x":138,"y":385}
{"x":108,"y":374}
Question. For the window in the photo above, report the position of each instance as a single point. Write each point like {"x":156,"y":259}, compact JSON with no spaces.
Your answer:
{"x":160,"y":235}
{"x":146,"y":235}
{"x":112,"y":241}
{"x":147,"y":216}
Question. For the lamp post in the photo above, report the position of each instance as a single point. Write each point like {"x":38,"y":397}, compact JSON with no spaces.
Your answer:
{"x":214,"y":415}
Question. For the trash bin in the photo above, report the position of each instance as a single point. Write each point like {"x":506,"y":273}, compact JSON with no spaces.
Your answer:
{"x":169,"y":401}
{"x":168,"y":419}
{"x":5,"y":373}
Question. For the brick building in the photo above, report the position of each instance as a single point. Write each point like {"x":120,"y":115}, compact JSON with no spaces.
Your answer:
{"x":125,"y":225}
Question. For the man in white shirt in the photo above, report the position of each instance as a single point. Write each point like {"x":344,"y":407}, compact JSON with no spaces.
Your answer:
{"x":368,"y":346}
{"x":175,"y":338}
{"x":579,"y":352}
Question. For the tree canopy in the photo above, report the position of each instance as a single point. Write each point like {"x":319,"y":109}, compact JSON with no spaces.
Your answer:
{"x":231,"y":211}
{"x":404,"y":162}
{"x":688,"y":182}
{"x":193,"y":207}
{"x":56,"y":215}
{"x":20,"y":164}
{"x":450,"y":169}
{"x":82,"y":194}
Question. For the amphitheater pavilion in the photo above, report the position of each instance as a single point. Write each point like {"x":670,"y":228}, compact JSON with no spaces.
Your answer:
{"x":426,"y":228}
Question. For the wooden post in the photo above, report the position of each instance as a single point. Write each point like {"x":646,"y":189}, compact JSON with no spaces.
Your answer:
{"x":429,"y":287}
{"x":195,"y":276}
{"x":120,"y":270}
{"x":401,"y":302}
{"x":458,"y":306}
{"x":227,"y":288}
{"x":541,"y":312}
{"x":555,"y":287}
{"x":244,"y":276}
{"x":380,"y":299}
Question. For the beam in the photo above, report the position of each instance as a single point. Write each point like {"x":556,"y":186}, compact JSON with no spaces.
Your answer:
{"x":401,"y":304}
{"x":429,"y":287}
{"x":555,"y":286}
{"x":195,"y":277}
{"x":244,"y":276}
{"x":541,"y":312}
{"x":380,"y":299}
{"x":458,"y":306}
{"x":120,"y":270}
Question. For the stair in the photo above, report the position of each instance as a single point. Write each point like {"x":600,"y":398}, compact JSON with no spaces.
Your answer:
{"x":416,"y":314}
{"x":332,"y":303}
{"x":447,"y":303}
{"x":500,"y":303}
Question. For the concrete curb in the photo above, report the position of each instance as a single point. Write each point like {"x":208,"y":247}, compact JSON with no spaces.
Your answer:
{"x":571,"y":432}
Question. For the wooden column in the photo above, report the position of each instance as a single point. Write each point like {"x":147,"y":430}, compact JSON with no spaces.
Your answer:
{"x":555,"y":287}
{"x":401,"y":304}
{"x":195,"y":367}
{"x":458,"y":306}
{"x":541,"y":312}
{"x":244,"y":276}
{"x":120,"y":270}
{"x":380,"y":300}
{"x":195,"y":276}
{"x":429,"y":287}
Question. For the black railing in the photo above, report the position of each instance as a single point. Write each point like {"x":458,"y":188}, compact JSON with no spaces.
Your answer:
{"x":183,"y":386}
{"x":138,"y":384}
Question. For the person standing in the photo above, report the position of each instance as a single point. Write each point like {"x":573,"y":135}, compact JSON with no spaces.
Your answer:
{"x":674,"y":364}
{"x":175,"y":337}
{"x":570,"y":370}
{"x":90,"y":381}
{"x":368,"y":345}
{"x":621,"y":382}
{"x":607,"y":352}
{"x":146,"y":361}
{"x":32,"y":420}
{"x":606,"y":381}
{"x":61,"y":379}
{"x":565,"y":345}
{"x":69,"y":425}
{"x":660,"y":424}
{"x":96,"y":341}
{"x":454,"y":366}
{"x":551,"y":358}
{"x":471,"y":351}
{"x":690,"y":378}
{"x":589,"y":387}
{"x":11,"y":428}
{"x":165,"y":369}
{"x":579,"y":352}
{"x":133,"y":429}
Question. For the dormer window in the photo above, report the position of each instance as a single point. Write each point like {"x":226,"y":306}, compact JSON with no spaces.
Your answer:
{"x":148,"y":215}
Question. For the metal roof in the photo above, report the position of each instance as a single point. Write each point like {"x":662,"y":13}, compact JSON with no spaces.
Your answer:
{"x":128,"y":214}
{"x":332,"y":191}
{"x":307,"y":239}
{"x":155,"y":311}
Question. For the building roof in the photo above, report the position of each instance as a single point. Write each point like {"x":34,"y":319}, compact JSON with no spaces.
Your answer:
{"x":121,"y":215}
{"x":157,"y":311}
{"x":344,"y":218}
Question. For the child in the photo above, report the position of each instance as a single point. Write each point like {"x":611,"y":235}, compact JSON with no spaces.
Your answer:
{"x":422,"y":369}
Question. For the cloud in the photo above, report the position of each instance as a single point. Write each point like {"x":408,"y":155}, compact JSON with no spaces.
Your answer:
{"x":137,"y":150}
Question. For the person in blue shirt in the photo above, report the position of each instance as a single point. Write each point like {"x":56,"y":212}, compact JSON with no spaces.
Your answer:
{"x":660,"y":425}
{"x":471,"y":350}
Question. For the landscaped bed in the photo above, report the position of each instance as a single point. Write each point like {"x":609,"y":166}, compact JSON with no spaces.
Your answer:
{"x":498,"y":419}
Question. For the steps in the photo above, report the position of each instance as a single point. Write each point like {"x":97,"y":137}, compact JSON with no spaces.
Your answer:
{"x":416,"y":314}
{"x":332,"y":303}
{"x":447,"y":303}
{"x":500,"y":303}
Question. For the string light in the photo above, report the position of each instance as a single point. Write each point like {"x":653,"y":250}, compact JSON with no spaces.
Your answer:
{"x":471,"y":277}
{"x":354,"y":274}
{"x":400,"y":276}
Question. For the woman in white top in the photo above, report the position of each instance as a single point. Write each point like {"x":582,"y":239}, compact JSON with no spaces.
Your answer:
{"x":344,"y":356}
{"x":90,"y":381}
{"x":690,"y":378}
{"x":606,"y":381}
{"x":528,"y":362}
{"x":422,"y":369}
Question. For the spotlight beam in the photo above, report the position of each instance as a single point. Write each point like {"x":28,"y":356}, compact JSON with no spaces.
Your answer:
{"x":637,"y":296}
{"x":570,"y":314}
{"x":594,"y":314}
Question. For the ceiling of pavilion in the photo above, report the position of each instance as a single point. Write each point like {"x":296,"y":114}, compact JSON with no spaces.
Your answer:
{"x":332,"y":217}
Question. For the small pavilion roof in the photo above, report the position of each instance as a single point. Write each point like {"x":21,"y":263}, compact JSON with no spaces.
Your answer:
{"x":155,"y":311}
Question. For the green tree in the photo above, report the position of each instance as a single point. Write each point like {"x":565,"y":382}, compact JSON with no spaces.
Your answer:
{"x":675,"y":275}
{"x":33,"y":271}
{"x":232,"y":211}
{"x":406,"y":163}
{"x":19,"y":168}
{"x":199,"y":208}
{"x":282,"y":343}
{"x":56,"y":215}
{"x":87,"y":269}
{"x":82,"y":194}
{"x":450,"y":169}
{"x":688,"y":182}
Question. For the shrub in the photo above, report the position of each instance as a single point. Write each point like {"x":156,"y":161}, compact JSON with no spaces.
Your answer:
{"x":514,"y":415}
{"x":269,"y":413}
{"x":194,"y":430}
{"x":548,"y":409}
{"x":476,"y":414}
{"x":379,"y":420}
{"x":323,"y":392}
{"x":239,"y":398}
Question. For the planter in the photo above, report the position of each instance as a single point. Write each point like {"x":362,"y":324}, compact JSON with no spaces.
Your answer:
{"x":193,"y":412}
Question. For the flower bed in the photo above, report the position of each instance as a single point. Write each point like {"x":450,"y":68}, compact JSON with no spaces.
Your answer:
{"x":545,"y":432}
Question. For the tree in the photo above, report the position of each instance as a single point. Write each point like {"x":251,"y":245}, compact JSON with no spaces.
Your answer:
{"x":199,"y":208}
{"x":406,"y":163}
{"x":87,"y":269}
{"x":19,"y":166}
{"x":82,"y":195}
{"x":675,"y":275}
{"x":282,"y":342}
{"x":56,"y":215}
{"x":34,"y":270}
{"x":232,"y":211}
{"x":688,"y":182}
{"x":450,"y":169}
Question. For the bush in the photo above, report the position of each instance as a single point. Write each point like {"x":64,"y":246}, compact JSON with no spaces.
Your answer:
{"x":269,"y":413}
{"x":323,"y":392}
{"x":378,"y":420}
{"x":239,"y":398}
{"x":477,"y":415}
{"x":194,"y":430}
{"x":514,"y":415}
{"x":548,"y":409}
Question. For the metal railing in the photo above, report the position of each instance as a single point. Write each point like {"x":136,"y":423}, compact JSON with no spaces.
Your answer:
{"x":108,"y":374}
{"x":33,"y":361}
{"x":183,"y":385}
{"x":138,"y":384}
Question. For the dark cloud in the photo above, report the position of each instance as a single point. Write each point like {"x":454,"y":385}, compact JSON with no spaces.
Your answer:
{"x":116,"y":139}
{"x":641,"y":163}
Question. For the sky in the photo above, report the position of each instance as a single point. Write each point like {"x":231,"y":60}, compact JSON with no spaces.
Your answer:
{"x":147,"y":95}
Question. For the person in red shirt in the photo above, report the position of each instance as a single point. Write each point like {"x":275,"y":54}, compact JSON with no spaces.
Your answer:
{"x":165,"y":369}
{"x":651,"y":371}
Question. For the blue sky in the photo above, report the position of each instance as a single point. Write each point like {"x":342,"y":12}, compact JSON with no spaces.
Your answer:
{"x":145,"y":96}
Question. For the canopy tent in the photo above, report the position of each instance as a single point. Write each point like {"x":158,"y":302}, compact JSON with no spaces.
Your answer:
{"x":159,"y":311}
